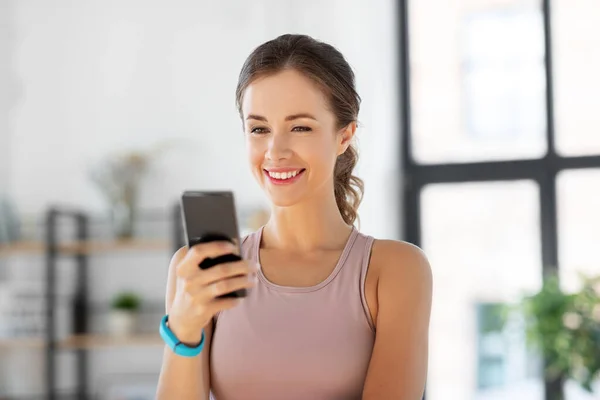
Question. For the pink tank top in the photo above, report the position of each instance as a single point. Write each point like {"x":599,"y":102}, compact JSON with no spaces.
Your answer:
{"x":309,"y":343}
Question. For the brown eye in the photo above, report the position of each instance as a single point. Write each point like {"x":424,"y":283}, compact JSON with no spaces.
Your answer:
{"x":258,"y":130}
{"x":301,"y":129}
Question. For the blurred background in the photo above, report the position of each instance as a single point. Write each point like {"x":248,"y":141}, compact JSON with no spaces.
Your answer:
{"x":479,"y":140}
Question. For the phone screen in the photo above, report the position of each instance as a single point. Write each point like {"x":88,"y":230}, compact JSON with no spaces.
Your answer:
{"x":207,"y":213}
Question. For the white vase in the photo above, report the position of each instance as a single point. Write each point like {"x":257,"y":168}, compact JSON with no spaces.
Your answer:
{"x":122,"y":323}
{"x":123,"y":219}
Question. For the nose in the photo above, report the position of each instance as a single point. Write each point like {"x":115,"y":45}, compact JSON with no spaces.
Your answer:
{"x":279,"y":147}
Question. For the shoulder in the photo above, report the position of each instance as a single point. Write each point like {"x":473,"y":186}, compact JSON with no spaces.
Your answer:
{"x":399,"y":264}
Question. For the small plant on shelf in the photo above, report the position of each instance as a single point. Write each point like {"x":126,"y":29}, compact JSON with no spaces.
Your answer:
{"x":123,"y":315}
{"x":126,"y":301}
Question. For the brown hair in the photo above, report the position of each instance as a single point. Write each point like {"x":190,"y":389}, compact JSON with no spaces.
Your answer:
{"x":328,"y":68}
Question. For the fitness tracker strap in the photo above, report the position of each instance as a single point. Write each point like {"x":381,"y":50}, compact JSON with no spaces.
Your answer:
{"x":175,"y":344}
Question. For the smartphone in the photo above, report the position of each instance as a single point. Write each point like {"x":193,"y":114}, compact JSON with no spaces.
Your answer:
{"x":209,"y":216}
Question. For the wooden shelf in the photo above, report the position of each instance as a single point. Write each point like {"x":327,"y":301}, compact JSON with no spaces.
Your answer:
{"x":21,"y":343}
{"x":87,"y":247}
{"x":21,"y":248}
{"x":103,"y":340}
{"x":85,"y":341}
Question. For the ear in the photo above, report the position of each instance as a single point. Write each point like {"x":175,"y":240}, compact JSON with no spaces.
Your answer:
{"x":345,"y":137}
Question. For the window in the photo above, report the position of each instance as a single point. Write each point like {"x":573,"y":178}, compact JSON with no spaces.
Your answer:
{"x":503,"y":75}
{"x":483,"y":242}
{"x":579,"y":225}
{"x":576,"y":76}
{"x":501,"y":153}
{"x":477,"y":80}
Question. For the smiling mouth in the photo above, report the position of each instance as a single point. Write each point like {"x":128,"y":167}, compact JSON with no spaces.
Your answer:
{"x":284,"y":176}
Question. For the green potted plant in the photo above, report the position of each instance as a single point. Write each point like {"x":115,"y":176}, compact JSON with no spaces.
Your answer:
{"x":565,"y":328}
{"x":124,"y":312}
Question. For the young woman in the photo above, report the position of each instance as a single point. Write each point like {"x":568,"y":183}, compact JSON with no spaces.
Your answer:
{"x":331,"y":313}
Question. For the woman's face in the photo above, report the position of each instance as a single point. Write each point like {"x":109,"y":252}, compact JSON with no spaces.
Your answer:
{"x":291,"y":137}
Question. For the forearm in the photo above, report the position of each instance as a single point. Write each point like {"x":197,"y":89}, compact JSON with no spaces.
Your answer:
{"x":186,"y":378}
{"x":182,"y":378}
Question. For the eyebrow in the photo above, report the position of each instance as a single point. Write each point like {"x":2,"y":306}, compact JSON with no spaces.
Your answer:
{"x":288,"y":118}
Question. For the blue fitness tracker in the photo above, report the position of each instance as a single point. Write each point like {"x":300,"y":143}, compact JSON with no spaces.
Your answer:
{"x":175,"y":344}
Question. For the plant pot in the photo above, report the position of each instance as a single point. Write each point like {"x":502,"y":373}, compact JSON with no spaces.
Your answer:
{"x":122,"y":322}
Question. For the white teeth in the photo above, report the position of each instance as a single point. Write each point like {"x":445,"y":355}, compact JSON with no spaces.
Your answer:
{"x":283,"y":175}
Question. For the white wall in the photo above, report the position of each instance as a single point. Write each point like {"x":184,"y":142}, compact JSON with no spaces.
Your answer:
{"x":98,"y":76}
{"x":7,"y":89}
{"x":102,"y":75}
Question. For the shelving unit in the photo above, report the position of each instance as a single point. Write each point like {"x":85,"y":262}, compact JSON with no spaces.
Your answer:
{"x":80,"y":248}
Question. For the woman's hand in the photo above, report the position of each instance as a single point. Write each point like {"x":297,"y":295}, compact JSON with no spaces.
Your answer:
{"x":196,"y":301}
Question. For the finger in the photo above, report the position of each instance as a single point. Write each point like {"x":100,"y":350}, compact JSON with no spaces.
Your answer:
{"x":217,"y":305}
{"x":211,"y":249}
{"x":206,"y":293}
{"x":226,"y":286}
{"x":194,"y":284}
{"x":226,"y":270}
{"x":201,"y":292}
{"x":196,"y":254}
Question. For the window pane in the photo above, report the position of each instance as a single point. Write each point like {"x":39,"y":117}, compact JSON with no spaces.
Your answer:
{"x":477,"y":80}
{"x":483,"y":242}
{"x":579,"y":224}
{"x":579,"y":234}
{"x":576,"y":36}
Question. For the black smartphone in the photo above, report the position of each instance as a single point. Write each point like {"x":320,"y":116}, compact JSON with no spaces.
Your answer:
{"x":209,"y":216}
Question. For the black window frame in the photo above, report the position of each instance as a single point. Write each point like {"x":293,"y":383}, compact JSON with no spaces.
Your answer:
{"x":544,"y":171}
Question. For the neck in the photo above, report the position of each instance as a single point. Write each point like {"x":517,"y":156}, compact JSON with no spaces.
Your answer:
{"x":314,"y":224}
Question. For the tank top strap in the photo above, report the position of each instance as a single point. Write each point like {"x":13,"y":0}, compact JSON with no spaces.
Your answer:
{"x":354,"y":273}
{"x":248,"y":246}
{"x":367,"y":242}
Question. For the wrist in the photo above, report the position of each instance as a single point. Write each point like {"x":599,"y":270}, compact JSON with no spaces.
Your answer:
{"x":175,"y":344}
{"x":189,"y":335}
